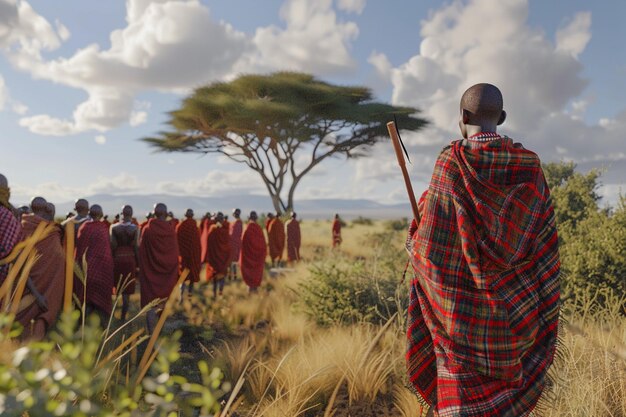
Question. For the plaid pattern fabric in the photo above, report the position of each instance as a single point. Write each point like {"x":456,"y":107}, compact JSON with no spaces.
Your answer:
{"x":484,"y":308}
{"x":10,"y":235}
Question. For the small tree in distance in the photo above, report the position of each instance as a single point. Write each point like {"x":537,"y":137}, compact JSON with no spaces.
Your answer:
{"x":268,"y":122}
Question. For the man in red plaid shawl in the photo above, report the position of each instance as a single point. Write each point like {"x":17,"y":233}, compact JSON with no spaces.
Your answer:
{"x":484,"y":309}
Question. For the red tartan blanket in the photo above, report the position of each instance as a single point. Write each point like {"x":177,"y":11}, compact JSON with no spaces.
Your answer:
{"x":484,"y":307}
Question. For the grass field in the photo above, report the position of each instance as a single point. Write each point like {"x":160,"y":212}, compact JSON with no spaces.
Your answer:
{"x":325,"y":337}
{"x":291,"y":365}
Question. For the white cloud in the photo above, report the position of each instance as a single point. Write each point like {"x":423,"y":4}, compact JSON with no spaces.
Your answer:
{"x":216,"y":183}
{"x":122,"y":183}
{"x":166,"y":45}
{"x":574,"y":37}
{"x":314,"y":40}
{"x":4,"y":94}
{"x":171,"y":46}
{"x":100,"y":139}
{"x":138,"y":118}
{"x":19,"y":108}
{"x":351,"y":6}
{"x":541,"y":80}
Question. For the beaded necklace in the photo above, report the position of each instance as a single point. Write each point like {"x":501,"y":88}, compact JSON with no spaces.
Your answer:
{"x":484,"y":137}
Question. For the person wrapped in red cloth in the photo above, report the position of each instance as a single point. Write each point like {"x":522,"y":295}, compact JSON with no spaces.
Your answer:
{"x":218,"y":254}
{"x":293,"y":239}
{"x":43,"y":297}
{"x":253,"y":253}
{"x":276,"y":240}
{"x":125,"y":247}
{"x":93,"y":244}
{"x":189,"y":249}
{"x":205,"y":224}
{"x":158,"y":261}
{"x":336,"y":229}
{"x":484,"y":302}
{"x":236,"y":230}
{"x":10,"y":228}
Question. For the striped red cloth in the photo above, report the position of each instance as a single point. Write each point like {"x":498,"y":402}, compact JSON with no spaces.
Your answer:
{"x":93,"y":243}
{"x":484,"y":308}
{"x":10,"y":235}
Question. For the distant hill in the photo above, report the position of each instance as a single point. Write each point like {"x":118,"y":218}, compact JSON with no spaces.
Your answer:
{"x":311,"y":209}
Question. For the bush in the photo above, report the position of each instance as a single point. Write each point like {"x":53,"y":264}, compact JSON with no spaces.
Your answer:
{"x":68,"y":376}
{"x":401,"y":225}
{"x":363,"y":221}
{"x":340,"y":291}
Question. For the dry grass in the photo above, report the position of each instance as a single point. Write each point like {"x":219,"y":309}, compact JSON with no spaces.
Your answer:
{"x":296,"y":365}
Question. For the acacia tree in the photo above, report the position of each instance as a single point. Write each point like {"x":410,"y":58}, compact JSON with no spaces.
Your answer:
{"x":269,"y":122}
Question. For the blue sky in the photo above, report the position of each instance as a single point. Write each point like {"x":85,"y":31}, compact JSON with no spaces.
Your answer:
{"x":83,"y":80}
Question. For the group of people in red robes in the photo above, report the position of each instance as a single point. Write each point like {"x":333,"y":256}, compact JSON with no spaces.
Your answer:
{"x":112,"y":257}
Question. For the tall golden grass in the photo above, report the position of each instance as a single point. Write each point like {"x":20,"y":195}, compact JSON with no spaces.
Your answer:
{"x":296,"y":368}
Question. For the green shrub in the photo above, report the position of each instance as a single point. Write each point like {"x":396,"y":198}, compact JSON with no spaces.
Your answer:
{"x":62,"y":377}
{"x":398,"y":225}
{"x":363,"y":221}
{"x":343,"y":291}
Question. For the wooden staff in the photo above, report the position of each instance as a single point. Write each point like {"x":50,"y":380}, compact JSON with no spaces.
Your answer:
{"x":70,"y":229}
{"x":395,"y":139}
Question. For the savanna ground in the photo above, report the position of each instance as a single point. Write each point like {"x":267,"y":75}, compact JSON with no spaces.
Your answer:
{"x":326,"y":338}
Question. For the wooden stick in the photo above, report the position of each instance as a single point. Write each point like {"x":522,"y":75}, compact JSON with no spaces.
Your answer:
{"x":395,"y":139}
{"x":70,"y":229}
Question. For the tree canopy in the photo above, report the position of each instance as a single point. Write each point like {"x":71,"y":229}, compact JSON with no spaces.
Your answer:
{"x":265,"y":121}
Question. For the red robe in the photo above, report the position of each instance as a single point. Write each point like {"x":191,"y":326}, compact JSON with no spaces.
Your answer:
{"x":189,"y":248}
{"x":276,"y":239}
{"x":484,"y":302}
{"x":205,"y":225}
{"x":293,"y":240}
{"x":174,"y":222}
{"x":253,"y":252}
{"x":125,"y":270}
{"x":48,"y":276}
{"x":93,"y":243}
{"x":218,"y":251}
{"x":236,"y":230}
{"x":336,"y":233}
{"x":158,"y":260}
{"x":107,"y":223}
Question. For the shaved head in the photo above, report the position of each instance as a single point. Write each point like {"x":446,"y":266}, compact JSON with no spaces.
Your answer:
{"x":3,"y":181}
{"x":160,"y":211}
{"x":95,"y":212}
{"x":482,"y":109}
{"x":50,"y":212}
{"x":483,"y":100}
{"x":219,"y":216}
{"x":253,"y":215}
{"x":81,"y":206}
{"x":127,"y":211}
{"x":38,"y":206}
{"x":189,"y":214}
{"x":236,"y":213}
